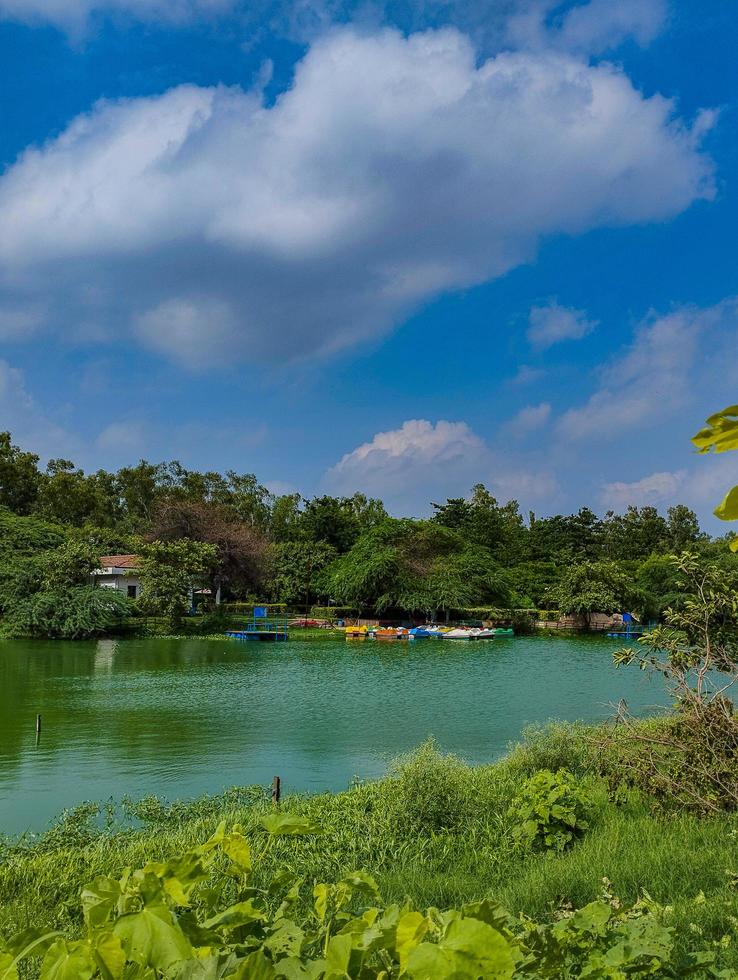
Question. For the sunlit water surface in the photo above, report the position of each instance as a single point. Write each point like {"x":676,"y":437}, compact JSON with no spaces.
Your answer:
{"x":178,"y":718}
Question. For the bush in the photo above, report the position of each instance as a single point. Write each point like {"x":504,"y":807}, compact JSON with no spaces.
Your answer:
{"x":429,"y":790}
{"x":553,"y":811}
{"x":202,"y":914}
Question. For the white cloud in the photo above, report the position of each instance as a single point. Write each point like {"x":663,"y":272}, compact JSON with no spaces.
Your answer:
{"x":527,"y":375}
{"x":19,"y":322}
{"x":658,"y":374}
{"x":416,"y":443}
{"x":550,"y":324}
{"x":71,"y":15}
{"x":422,"y":461}
{"x":602,"y":24}
{"x":394,"y":169}
{"x":194,"y":332}
{"x":26,"y":420}
{"x":591,"y":28}
{"x":658,"y":488}
{"x":529,"y":419}
{"x":127,"y":437}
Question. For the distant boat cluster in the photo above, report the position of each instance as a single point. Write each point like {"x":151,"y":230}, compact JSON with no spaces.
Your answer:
{"x":425,"y":632}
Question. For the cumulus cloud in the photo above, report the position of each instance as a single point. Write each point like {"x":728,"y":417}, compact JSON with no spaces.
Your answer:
{"x":550,"y":324}
{"x":422,"y":461}
{"x":658,"y":373}
{"x":658,"y":488}
{"x":393,"y":169}
{"x":529,"y":419}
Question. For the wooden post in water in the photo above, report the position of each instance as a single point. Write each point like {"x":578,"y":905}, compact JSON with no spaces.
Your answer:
{"x":276,"y":789}
{"x":38,"y":724}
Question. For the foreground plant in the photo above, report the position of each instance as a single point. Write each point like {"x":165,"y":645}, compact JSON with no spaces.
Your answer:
{"x":200,"y":915}
{"x":691,"y":757}
{"x":552,"y":809}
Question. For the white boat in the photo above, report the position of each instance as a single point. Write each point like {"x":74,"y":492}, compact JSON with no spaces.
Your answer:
{"x":459,"y":634}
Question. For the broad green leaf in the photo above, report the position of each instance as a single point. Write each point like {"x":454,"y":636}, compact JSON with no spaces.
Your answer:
{"x":67,"y":960}
{"x":470,"y":949}
{"x":30,"y":942}
{"x":99,"y":898}
{"x":8,"y":969}
{"x":411,"y":931}
{"x":360,"y":881}
{"x":152,"y":938}
{"x":293,"y":969}
{"x":338,"y":953}
{"x":720,"y":433}
{"x":237,"y":849}
{"x":110,"y":955}
{"x":430,"y":962}
{"x":285,"y":940}
{"x":289,"y":825}
{"x":255,"y":967}
{"x":592,"y":918}
{"x":727,"y":510}
{"x":321,"y":894}
{"x":483,"y":944}
{"x":240,"y":914}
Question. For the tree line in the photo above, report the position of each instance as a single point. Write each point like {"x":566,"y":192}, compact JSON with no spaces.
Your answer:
{"x":232,"y":535}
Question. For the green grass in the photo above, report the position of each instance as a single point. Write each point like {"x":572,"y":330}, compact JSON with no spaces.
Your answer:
{"x":435,"y":831}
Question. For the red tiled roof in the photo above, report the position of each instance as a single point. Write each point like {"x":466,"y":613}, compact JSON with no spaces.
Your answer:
{"x":119,"y":561}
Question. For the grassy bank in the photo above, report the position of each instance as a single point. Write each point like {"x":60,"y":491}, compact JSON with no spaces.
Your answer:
{"x":436,"y":832}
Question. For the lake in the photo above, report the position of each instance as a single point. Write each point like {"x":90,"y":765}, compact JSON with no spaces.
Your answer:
{"x":178,"y":718}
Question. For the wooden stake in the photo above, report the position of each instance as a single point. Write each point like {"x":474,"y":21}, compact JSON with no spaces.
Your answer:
{"x":276,"y":789}
{"x":38,"y":724}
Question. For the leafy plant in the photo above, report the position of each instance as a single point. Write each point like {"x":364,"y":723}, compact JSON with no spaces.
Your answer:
{"x":429,"y":790}
{"x":552,"y":810}
{"x":200,"y":915}
{"x":720,"y":435}
{"x":690,"y":758}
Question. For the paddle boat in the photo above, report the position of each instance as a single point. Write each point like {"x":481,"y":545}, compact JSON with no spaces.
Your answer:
{"x":424,"y":632}
{"x":390,"y":633}
{"x":356,"y":632}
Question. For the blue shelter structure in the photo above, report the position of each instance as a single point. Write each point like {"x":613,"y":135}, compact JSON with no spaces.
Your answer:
{"x":262,"y":628}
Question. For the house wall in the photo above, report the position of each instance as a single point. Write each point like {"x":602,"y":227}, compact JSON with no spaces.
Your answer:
{"x":119,"y":582}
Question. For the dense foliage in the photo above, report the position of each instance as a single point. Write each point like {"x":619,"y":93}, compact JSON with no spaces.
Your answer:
{"x":691,"y":757}
{"x":276,"y":893}
{"x":199,"y":915}
{"x":327,"y":551}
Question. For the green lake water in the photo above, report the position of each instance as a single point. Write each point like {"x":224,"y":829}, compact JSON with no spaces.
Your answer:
{"x":179,"y":718}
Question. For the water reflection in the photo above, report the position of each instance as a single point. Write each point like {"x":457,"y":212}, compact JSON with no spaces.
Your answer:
{"x":183,"y":717}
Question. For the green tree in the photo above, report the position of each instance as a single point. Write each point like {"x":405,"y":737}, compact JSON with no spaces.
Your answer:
{"x":50,"y":594}
{"x":416,"y":566}
{"x":298,"y":571}
{"x":20,"y":478}
{"x":682,"y":528}
{"x":168,"y":570}
{"x":594,"y":587}
{"x":68,"y":496}
{"x":243,"y":557}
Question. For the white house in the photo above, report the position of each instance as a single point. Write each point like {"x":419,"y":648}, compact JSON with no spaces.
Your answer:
{"x":119,"y":572}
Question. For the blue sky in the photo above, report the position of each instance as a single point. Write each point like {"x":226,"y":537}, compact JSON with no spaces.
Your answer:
{"x":400,"y":248}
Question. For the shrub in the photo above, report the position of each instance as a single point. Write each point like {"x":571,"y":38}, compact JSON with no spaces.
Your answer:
{"x":429,"y":790}
{"x":201,"y":915}
{"x":552,"y":810}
